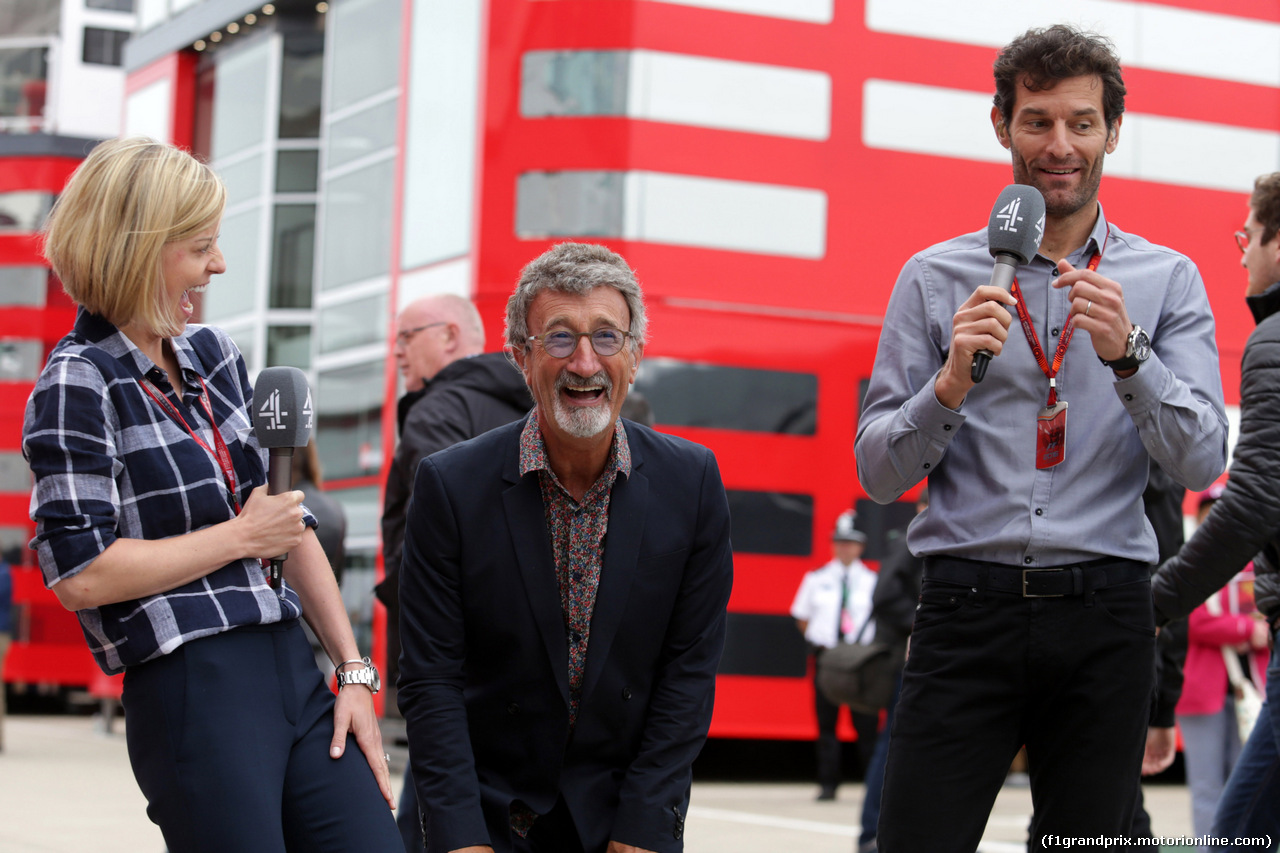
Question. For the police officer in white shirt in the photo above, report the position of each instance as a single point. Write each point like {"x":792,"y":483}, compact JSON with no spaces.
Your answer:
{"x":833,"y":605}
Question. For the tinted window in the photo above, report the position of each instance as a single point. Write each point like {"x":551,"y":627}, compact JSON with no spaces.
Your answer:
{"x":349,"y":420}
{"x":112,"y":5}
{"x":771,"y":522}
{"x":357,"y":222}
{"x":240,"y":97}
{"x":353,"y":324}
{"x":366,"y":50}
{"x":300,"y":74}
{"x":581,"y":204}
{"x":20,"y":359}
{"x":292,"y":256}
{"x":764,"y":645}
{"x":15,"y":476}
{"x":574,"y":83}
{"x":24,"y":211}
{"x":104,"y":47}
{"x":29,"y":18}
{"x":739,"y":398}
{"x":361,"y":134}
{"x":241,"y":244}
{"x":296,"y":171}
{"x":24,"y":286}
{"x":23,"y":75}
{"x":289,"y":345}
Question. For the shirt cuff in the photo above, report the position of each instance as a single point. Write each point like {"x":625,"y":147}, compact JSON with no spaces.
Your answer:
{"x":1143,"y":391}
{"x":935,"y":420}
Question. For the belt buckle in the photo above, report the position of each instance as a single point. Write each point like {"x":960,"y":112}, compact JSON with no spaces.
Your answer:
{"x":1026,"y":594}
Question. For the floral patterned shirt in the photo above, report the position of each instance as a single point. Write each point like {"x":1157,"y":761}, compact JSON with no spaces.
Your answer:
{"x":577,"y":532}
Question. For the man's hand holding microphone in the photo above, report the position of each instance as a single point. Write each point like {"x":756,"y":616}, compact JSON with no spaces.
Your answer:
{"x":981,"y":325}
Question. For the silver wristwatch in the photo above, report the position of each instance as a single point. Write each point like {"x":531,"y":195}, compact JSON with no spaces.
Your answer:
{"x":1137,"y":350}
{"x":368,"y":676}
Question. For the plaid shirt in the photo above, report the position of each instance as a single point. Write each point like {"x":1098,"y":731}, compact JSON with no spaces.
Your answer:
{"x":109,"y":463}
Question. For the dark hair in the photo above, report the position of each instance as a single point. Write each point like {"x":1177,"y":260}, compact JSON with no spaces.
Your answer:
{"x":1265,"y":202}
{"x":1041,"y":58}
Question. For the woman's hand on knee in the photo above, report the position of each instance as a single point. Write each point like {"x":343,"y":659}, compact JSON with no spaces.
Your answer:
{"x":354,"y":714}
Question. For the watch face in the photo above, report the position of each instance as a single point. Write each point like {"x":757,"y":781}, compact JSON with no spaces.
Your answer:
{"x":1140,"y":344}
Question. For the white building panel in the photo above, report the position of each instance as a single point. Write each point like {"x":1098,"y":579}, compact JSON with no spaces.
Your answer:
{"x":148,"y":111}
{"x":1146,"y":35}
{"x":448,"y":277}
{"x":813,"y":11}
{"x":907,"y":117}
{"x":727,"y":95}
{"x":85,"y":99}
{"x":711,"y":213}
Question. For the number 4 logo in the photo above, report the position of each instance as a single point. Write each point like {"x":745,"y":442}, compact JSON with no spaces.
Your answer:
{"x":272,"y":411}
{"x":1009,"y":214}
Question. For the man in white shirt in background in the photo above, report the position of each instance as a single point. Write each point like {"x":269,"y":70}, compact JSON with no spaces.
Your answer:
{"x":833,"y":605}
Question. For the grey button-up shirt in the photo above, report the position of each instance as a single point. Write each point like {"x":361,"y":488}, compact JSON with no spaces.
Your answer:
{"x":987,"y":499}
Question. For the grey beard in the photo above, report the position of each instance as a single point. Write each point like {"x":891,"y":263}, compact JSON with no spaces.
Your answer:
{"x":583,"y":422}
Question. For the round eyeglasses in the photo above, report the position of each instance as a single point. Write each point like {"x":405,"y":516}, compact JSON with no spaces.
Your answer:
{"x":561,"y":343}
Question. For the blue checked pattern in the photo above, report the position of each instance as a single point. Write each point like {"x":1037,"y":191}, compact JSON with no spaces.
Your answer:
{"x":109,"y":463}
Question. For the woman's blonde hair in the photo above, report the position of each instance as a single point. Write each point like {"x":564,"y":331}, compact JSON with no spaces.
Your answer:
{"x":107,"y":232}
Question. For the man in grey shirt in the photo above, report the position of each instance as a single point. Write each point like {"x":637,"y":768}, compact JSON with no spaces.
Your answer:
{"x":1035,"y":621}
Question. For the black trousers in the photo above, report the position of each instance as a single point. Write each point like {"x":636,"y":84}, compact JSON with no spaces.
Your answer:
{"x":229,"y":740}
{"x":988,"y":671}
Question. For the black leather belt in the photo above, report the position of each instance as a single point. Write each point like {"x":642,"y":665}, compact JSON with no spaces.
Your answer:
{"x":1054,"y":582}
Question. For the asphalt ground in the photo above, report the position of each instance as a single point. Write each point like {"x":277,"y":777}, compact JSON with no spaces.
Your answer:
{"x":66,"y":787}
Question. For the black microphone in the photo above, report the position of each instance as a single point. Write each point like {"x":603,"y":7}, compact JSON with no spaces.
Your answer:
{"x":282,"y":417}
{"x":1014,"y":232}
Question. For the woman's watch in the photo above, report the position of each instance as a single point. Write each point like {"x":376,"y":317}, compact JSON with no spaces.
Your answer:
{"x":368,"y":675}
{"x":1137,"y":350}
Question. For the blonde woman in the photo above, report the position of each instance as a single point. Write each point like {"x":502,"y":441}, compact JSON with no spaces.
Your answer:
{"x":152,"y":516}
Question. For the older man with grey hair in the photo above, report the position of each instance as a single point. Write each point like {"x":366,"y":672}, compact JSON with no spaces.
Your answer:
{"x":557,"y":683}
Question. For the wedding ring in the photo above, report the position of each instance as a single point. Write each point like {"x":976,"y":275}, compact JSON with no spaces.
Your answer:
{"x":387,"y":756}
{"x":1088,"y":308}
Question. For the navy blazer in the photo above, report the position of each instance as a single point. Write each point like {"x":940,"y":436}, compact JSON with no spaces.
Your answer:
{"x":484,"y":669}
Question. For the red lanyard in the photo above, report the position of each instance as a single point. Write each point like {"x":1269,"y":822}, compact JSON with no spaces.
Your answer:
{"x":221,"y":455}
{"x":1051,"y":371}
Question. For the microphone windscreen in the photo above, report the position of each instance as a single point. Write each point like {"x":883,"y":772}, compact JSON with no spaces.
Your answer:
{"x":282,"y":410}
{"x":1016,"y":226}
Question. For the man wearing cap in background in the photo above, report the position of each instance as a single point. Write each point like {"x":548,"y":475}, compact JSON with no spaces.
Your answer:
{"x":833,"y":605}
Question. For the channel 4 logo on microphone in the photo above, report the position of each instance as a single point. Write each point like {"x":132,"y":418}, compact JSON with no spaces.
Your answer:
{"x":307,"y":411}
{"x":1010,"y":215}
{"x":274,"y":414}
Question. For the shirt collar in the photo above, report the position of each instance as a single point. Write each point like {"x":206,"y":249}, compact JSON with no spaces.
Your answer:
{"x":1096,"y":242}
{"x":97,"y":330}
{"x":533,"y":450}
{"x":1098,"y":236}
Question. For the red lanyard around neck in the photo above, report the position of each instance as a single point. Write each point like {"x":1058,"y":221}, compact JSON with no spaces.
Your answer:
{"x":222,"y":455}
{"x":1051,"y":371}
